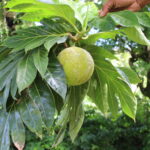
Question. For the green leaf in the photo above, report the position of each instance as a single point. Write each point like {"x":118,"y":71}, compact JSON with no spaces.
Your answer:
{"x":112,"y":88}
{"x":43,"y":97}
{"x":55,"y":77}
{"x":6,"y":93}
{"x":40,"y":58}
{"x":91,"y":39}
{"x":13,"y":87}
{"x":100,"y":51}
{"x":84,"y":11}
{"x":135,"y":34}
{"x":143,"y":19}
{"x":34,"y":37}
{"x":26,"y":72}
{"x":4,"y":131}
{"x":60,"y":137}
{"x":76,"y":114}
{"x":31,"y":115}
{"x":51,"y":42}
{"x":76,"y":123}
{"x":103,"y":24}
{"x":125,"y":18}
{"x":98,"y":86}
{"x":17,"y":130}
{"x":36,"y":11}
{"x":131,"y":75}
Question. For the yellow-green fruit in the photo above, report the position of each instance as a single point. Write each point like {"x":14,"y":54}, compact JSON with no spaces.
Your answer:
{"x":78,"y":65}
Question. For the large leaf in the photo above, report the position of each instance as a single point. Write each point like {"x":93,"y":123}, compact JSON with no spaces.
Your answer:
{"x":36,"y":11}
{"x":55,"y":77}
{"x":109,"y":86}
{"x":133,"y":33}
{"x":26,"y":72}
{"x":33,"y":37}
{"x":92,"y":38}
{"x":8,"y":67}
{"x":131,"y":76}
{"x":84,"y":11}
{"x":98,"y":86}
{"x":76,"y":114}
{"x":44,"y":99}
{"x":103,"y":24}
{"x":17,"y":130}
{"x":143,"y":19}
{"x":31,"y":115}
{"x":125,"y":18}
{"x":40,"y":58}
{"x":4,"y":131}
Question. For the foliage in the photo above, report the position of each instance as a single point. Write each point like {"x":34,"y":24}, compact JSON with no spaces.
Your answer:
{"x":100,"y":133}
{"x":33,"y":83}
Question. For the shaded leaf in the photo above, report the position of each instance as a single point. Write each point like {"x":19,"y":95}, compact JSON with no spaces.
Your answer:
{"x":31,"y":115}
{"x":13,"y":87}
{"x":98,"y":86}
{"x":4,"y":131}
{"x":55,"y":77}
{"x":26,"y":72}
{"x":33,"y":37}
{"x":44,"y":99}
{"x":17,"y":130}
{"x":76,"y":113}
{"x":40,"y":58}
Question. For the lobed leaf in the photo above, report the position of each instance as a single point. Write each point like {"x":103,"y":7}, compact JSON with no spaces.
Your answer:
{"x":31,"y":115}
{"x":43,"y":97}
{"x":110,"y":87}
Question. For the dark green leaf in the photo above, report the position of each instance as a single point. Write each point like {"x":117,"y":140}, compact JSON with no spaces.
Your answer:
{"x":13,"y":87}
{"x":31,"y":115}
{"x":33,"y":37}
{"x":4,"y":131}
{"x":55,"y":77}
{"x":17,"y":130}
{"x":44,"y":98}
{"x":40,"y":58}
{"x":26,"y":72}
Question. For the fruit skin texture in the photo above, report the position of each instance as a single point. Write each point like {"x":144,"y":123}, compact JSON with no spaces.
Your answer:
{"x":78,"y":65}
